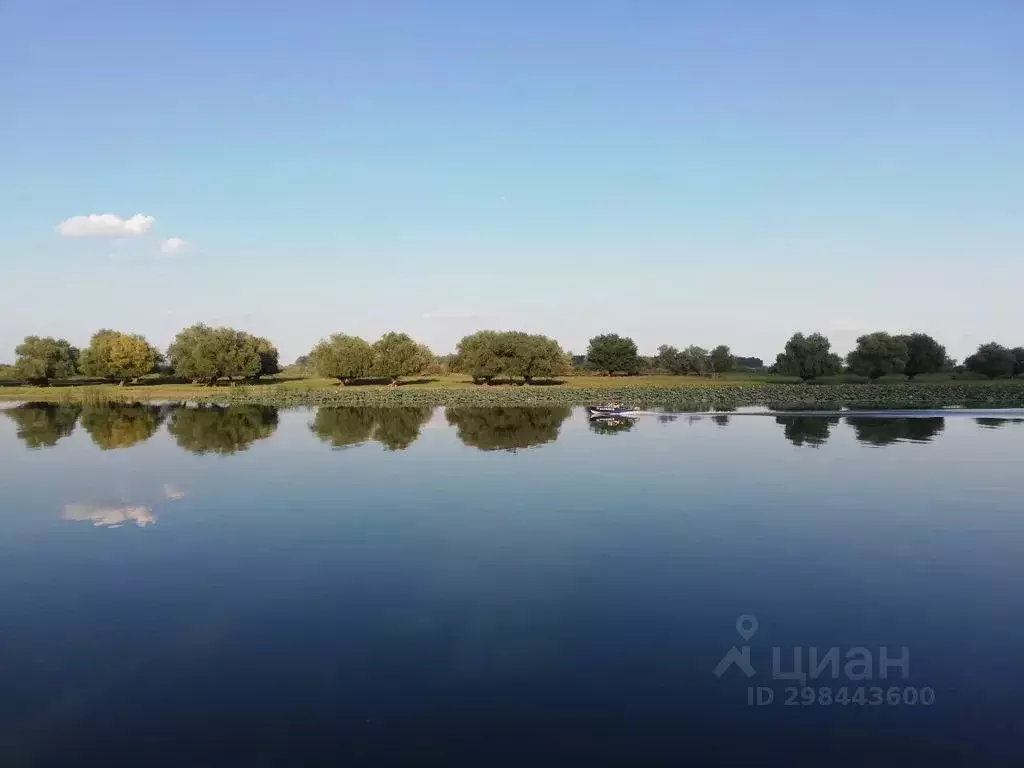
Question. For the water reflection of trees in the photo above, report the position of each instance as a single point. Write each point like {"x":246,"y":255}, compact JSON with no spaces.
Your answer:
{"x":611,"y":426}
{"x":879,"y":431}
{"x":41,"y":425}
{"x":221,"y":429}
{"x":394,"y":428}
{"x":121,"y":426}
{"x":812,"y":431}
{"x":507,"y":429}
{"x":994,"y":423}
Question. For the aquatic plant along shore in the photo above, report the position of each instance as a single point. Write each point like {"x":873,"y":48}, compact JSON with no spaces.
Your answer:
{"x":691,"y":397}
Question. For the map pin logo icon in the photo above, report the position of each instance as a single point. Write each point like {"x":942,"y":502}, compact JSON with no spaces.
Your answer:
{"x":746,"y":625}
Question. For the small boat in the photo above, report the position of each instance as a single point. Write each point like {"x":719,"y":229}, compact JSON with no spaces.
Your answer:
{"x":610,"y":409}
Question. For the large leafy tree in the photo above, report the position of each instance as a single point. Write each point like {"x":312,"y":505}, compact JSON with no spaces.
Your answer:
{"x":670,"y":359}
{"x":221,"y":429}
{"x":485,"y":355}
{"x":341,"y":357}
{"x":480,"y":355}
{"x":41,"y":425}
{"x":721,"y":359}
{"x":877,"y":354}
{"x":531,"y":357}
{"x":40,"y":359}
{"x":808,"y":357}
{"x":612,"y":353}
{"x":118,"y":356}
{"x":507,"y":429}
{"x":396,"y":355}
{"x":696,"y":360}
{"x":1018,"y":357}
{"x":992,"y":360}
{"x":121,"y":426}
{"x":267,"y":353}
{"x":924,"y":354}
{"x":202,"y":353}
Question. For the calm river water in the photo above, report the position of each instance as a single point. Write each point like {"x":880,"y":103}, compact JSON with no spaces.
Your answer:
{"x":247,"y":586}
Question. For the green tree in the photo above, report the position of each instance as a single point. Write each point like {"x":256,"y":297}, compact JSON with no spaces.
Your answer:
{"x":267,"y":352}
{"x":40,"y":359}
{"x":205,"y":354}
{"x":670,"y":360}
{"x":221,"y":429}
{"x":507,"y":429}
{"x":695,"y":360}
{"x":722,"y":360}
{"x":480,"y":355}
{"x":118,"y":356}
{"x":992,"y":360}
{"x":877,"y":354}
{"x":808,"y":357}
{"x":396,"y":355}
{"x":341,"y":357}
{"x":532,"y":357}
{"x":1018,"y":365}
{"x":872,"y":430}
{"x":121,"y":426}
{"x":924,"y":354}
{"x":41,"y":425}
{"x":612,"y":353}
{"x":811,"y":431}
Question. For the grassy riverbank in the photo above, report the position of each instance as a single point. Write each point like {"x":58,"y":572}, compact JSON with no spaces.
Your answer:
{"x":671,"y":392}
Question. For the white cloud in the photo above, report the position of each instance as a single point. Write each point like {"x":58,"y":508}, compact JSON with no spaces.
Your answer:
{"x":106,"y":225}
{"x":173,"y":245}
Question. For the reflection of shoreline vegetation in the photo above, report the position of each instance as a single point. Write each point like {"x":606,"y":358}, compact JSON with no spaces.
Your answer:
{"x":41,"y":425}
{"x":394,"y":428}
{"x":221,"y":429}
{"x":876,"y":431}
{"x":812,"y":431}
{"x":507,"y":429}
{"x":993,"y":423}
{"x":121,"y":426}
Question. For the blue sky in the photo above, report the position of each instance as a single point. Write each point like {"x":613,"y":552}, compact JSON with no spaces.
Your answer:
{"x":744,"y":169}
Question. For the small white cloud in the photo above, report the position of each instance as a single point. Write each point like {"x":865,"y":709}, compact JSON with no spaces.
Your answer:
{"x":174,"y":245}
{"x":105,"y":225}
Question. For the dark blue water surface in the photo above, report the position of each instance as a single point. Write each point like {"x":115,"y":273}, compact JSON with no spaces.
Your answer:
{"x":247,"y":586}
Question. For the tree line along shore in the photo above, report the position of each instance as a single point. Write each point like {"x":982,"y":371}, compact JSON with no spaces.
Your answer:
{"x":205,"y":355}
